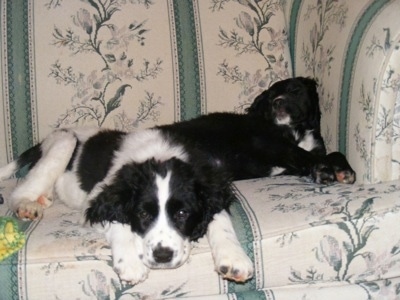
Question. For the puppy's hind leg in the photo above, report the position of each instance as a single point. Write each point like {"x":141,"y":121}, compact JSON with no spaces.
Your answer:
{"x":229,"y":257}
{"x":33,"y":194}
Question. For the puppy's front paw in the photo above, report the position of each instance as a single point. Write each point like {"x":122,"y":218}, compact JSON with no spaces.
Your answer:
{"x":29,"y":210}
{"x":234,"y":265}
{"x":343,"y":171}
{"x":345,"y":176}
{"x":323,"y":173}
{"x":130,"y":270}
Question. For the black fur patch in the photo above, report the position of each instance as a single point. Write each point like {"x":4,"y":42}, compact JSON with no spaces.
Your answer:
{"x":30,"y":157}
{"x":96,"y":157}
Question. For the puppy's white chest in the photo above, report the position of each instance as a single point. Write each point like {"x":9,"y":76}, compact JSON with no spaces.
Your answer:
{"x":308,"y":142}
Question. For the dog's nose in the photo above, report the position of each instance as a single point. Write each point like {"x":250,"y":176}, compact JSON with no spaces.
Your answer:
{"x":162,"y":254}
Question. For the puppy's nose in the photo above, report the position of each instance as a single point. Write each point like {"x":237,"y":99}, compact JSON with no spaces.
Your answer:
{"x":163,"y":254}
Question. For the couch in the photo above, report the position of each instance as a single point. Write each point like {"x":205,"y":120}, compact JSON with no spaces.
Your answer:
{"x":131,"y":64}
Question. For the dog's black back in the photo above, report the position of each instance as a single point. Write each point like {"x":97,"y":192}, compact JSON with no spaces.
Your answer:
{"x":241,"y":144}
{"x":280,"y":134}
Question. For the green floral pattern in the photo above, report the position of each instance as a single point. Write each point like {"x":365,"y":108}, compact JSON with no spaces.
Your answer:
{"x":255,"y":34}
{"x":99,"y":92}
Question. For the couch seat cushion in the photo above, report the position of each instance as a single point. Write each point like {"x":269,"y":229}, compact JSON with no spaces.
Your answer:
{"x":299,"y":234}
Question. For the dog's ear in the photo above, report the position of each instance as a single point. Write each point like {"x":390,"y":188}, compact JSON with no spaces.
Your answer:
{"x":116,"y":200}
{"x":108,"y":206}
{"x":315,"y":112}
{"x":261,"y":106}
{"x":213,"y":191}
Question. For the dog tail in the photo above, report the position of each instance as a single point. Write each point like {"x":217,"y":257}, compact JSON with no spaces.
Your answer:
{"x":29,"y":158}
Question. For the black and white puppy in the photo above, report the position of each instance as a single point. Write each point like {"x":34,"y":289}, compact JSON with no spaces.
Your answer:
{"x":280,"y":134}
{"x":148,"y":193}
{"x":293,"y":105}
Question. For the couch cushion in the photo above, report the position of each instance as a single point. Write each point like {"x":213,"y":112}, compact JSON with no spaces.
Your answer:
{"x":309,"y":233}
{"x":303,"y":237}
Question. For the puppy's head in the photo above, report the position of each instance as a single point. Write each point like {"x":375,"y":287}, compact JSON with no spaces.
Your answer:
{"x":167,"y":204}
{"x":290,"y":102}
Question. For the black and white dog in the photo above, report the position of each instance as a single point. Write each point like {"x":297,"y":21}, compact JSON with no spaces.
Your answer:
{"x":151,"y":194}
{"x":154,"y":191}
{"x":293,"y":105}
{"x":280,"y":134}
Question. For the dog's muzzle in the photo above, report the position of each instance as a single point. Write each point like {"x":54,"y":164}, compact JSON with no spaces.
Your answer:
{"x":162,"y":256}
{"x":281,"y":114}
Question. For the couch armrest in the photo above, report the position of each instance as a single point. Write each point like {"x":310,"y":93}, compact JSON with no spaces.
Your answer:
{"x":352,"y":48}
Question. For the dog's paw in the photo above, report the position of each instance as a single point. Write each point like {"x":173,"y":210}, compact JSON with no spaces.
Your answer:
{"x":345,"y":176}
{"x":234,"y":265}
{"x":343,"y":171}
{"x":29,"y":210}
{"x":32,"y":210}
{"x":323,"y":173}
{"x":130,"y":270}
{"x":45,"y":202}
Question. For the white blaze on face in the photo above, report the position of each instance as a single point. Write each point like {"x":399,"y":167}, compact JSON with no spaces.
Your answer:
{"x":163,"y":234}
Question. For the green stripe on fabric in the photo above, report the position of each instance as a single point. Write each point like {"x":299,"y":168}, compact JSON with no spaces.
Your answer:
{"x":348,"y":69}
{"x":18,"y":75}
{"x":9,"y":278}
{"x":188,"y":59}
{"x":294,"y":16}
{"x":244,"y":232}
{"x":251,"y":295}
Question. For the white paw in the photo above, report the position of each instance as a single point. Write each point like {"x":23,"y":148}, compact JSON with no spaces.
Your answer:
{"x":234,"y":264}
{"x":130,"y":269}
{"x":29,"y":210}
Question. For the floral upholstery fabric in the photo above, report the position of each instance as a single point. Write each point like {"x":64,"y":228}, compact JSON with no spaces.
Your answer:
{"x":130,"y":64}
{"x":306,"y":240}
{"x":352,"y":48}
{"x":127,"y":64}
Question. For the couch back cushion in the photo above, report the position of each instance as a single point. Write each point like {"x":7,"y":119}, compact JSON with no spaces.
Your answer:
{"x":132,"y":64}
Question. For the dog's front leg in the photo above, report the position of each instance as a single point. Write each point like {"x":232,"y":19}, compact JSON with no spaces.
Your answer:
{"x":126,"y":248}
{"x":229,"y":257}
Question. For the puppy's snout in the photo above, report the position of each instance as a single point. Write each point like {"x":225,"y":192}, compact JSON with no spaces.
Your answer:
{"x":162,"y":255}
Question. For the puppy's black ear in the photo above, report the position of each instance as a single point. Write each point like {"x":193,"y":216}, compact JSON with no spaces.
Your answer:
{"x":261,"y":106}
{"x":115,"y":201}
{"x":107,"y":206}
{"x":213,"y":190}
{"x":315,"y":112}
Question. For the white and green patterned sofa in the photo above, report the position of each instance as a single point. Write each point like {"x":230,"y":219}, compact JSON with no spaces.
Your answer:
{"x":131,"y":64}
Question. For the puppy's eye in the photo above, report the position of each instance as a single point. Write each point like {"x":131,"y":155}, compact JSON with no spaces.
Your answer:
{"x":144,"y":215}
{"x":181,"y":215}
